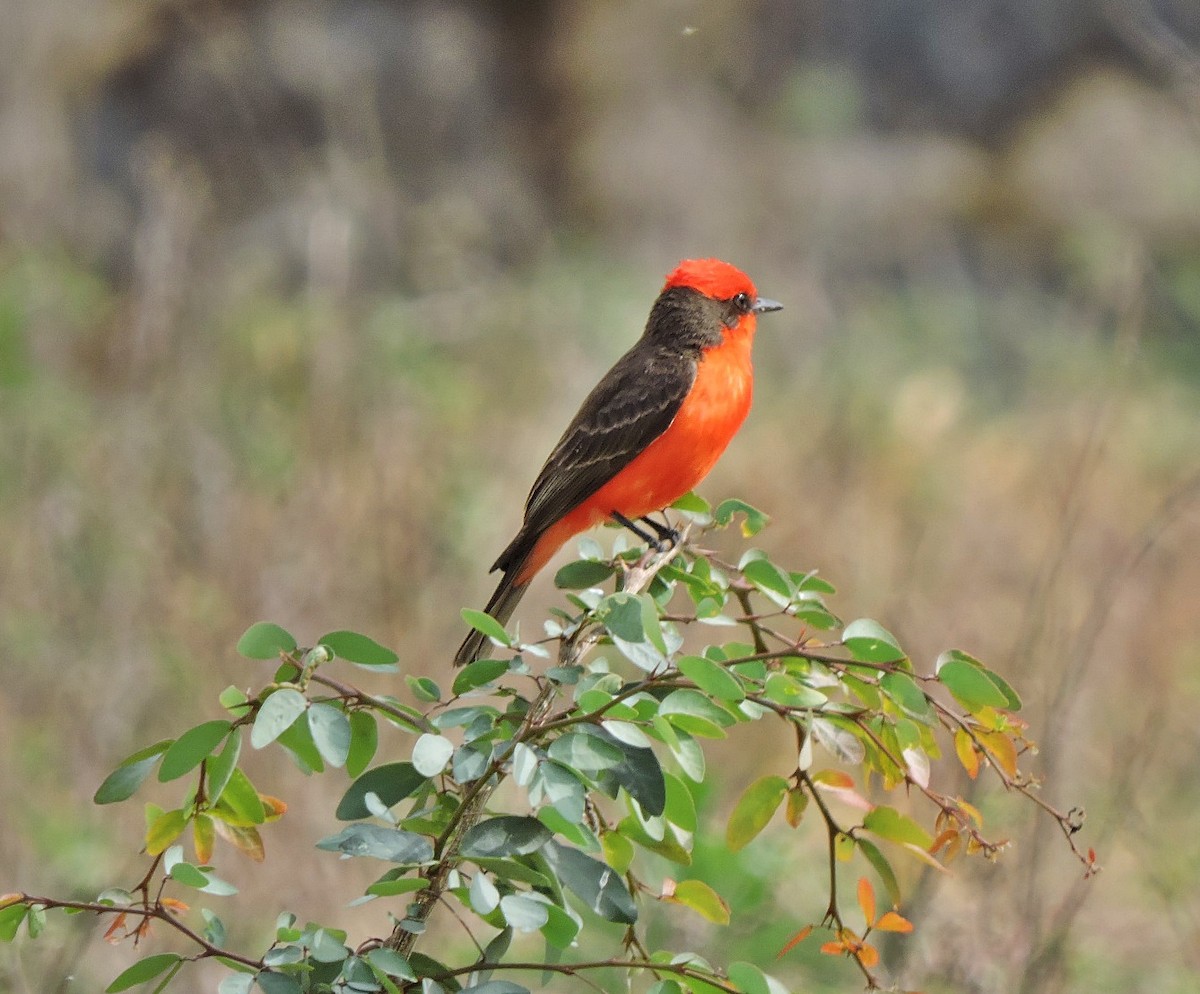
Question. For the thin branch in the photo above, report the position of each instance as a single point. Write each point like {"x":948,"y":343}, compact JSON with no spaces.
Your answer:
{"x":153,"y":911}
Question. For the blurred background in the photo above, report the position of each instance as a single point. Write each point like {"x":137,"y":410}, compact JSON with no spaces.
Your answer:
{"x":295,"y":296}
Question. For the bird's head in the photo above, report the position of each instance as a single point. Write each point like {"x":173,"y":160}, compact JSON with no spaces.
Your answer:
{"x":705,"y":302}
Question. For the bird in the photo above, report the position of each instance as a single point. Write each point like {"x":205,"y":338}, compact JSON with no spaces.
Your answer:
{"x":650,"y":430}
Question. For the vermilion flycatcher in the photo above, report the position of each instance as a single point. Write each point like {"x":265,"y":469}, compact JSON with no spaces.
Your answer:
{"x":650,"y":430}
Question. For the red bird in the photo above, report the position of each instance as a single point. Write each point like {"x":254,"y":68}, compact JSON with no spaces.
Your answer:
{"x":651,"y":429}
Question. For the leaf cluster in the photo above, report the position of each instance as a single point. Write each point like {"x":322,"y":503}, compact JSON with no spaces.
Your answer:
{"x":600,"y":727}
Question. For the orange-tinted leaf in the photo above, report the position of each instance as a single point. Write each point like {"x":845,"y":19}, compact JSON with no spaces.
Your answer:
{"x":1002,"y":749}
{"x":174,"y":906}
{"x":795,"y":940}
{"x":118,"y":924}
{"x":953,"y":849}
{"x":868,"y":955}
{"x":866,"y":900}
{"x":700,"y":898}
{"x":13,"y":898}
{"x":834,"y":778}
{"x":833,"y":948}
{"x":943,"y":840}
{"x":245,"y":840}
{"x":973,"y":812}
{"x":166,"y":828}
{"x":203,"y":836}
{"x":797,"y":802}
{"x":892,"y":922}
{"x":142,"y":930}
{"x":273,"y":806}
{"x":964,"y":748}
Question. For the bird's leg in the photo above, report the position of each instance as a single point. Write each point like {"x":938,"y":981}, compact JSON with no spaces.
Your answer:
{"x":656,"y":541}
{"x":665,"y":532}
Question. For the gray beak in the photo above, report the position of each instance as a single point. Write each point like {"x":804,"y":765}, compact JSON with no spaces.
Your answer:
{"x":762,"y":305}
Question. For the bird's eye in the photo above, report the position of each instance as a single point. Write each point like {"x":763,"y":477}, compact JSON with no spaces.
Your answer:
{"x":742,"y":302}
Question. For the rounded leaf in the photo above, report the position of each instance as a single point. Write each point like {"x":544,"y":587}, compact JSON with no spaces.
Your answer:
{"x":276,"y":715}
{"x":754,"y":809}
{"x":359,"y":649}
{"x":191,"y":749}
{"x":431,"y":753}
{"x":870,"y":642}
{"x":264,"y":640}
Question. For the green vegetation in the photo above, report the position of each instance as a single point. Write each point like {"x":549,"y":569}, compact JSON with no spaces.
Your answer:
{"x":548,"y":798}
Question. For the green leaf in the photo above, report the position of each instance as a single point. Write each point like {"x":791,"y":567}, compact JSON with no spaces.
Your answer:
{"x":431,"y":752}
{"x":508,"y":835}
{"x":364,"y":740}
{"x":424,"y":689}
{"x":582,"y":574}
{"x":276,"y":715}
{"x":680,"y":808}
{"x":692,"y":503}
{"x":563,"y":789}
{"x":587,"y":753}
{"x":240,"y":799}
{"x":359,"y":649}
{"x":220,"y":768}
{"x":391,"y":963}
{"x":330,"y":729}
{"x":695,"y":713}
{"x":870,"y":642}
{"x":839,"y":740}
{"x":561,"y":928}
{"x":191,"y":748}
{"x":749,"y":978}
{"x":124,"y":781}
{"x":711,"y":677}
{"x":391,"y":783}
{"x":754,"y":809}
{"x":702,"y":899}
{"x":10,"y":920}
{"x":264,"y":640}
{"x":277,"y":983}
{"x":523,"y":913}
{"x":385,"y":887}
{"x":771,"y":580}
{"x":189,"y":875}
{"x":481,"y":621}
{"x":479,"y":674}
{"x":785,"y":689}
{"x":755,"y":519}
{"x":618,"y":851}
{"x":903,"y":689}
{"x":638,"y":771}
{"x":971,"y":686}
{"x":1014,"y":702}
{"x":236,"y":983}
{"x":890,"y":824}
{"x":513,"y":869}
{"x":327,"y":948}
{"x":621,"y":615}
{"x":392,"y":844}
{"x":664,"y":842}
{"x":882,"y":867}
{"x":234,"y":700}
{"x":143,"y":970}
{"x":298,"y":741}
{"x":592,"y":882}
{"x":164,"y":830}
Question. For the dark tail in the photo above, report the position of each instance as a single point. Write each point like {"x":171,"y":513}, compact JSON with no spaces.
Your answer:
{"x":504,"y":601}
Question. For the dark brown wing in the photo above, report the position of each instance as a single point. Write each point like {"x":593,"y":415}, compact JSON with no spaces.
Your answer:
{"x":629,"y":408}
